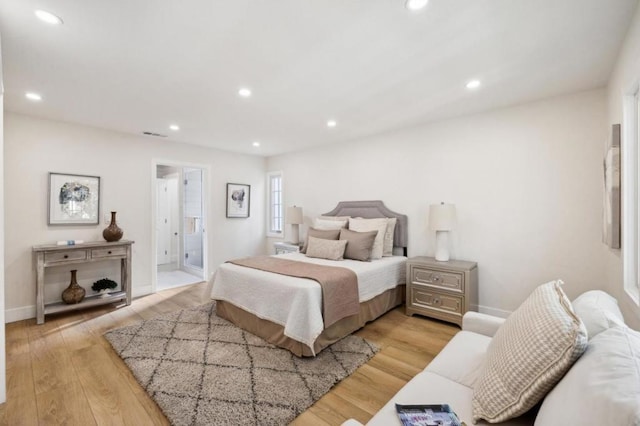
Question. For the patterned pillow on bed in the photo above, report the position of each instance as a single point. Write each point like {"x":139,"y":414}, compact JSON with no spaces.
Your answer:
{"x":326,"y":249}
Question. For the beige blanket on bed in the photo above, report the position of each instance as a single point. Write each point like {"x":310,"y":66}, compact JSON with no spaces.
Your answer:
{"x":339,"y":285}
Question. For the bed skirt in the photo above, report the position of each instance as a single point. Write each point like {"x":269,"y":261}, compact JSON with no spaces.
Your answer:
{"x":274,"y":333}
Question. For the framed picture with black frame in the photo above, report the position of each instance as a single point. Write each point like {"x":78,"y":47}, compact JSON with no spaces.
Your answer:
{"x":73,"y":199}
{"x":238,"y":200}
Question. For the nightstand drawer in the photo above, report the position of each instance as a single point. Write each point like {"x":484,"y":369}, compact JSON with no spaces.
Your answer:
{"x":445,"y":280}
{"x":437,"y":301}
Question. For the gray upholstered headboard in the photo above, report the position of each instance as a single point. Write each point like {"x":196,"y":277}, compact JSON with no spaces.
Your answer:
{"x":374,"y":209}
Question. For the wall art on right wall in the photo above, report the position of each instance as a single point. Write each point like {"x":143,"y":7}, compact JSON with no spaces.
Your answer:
{"x":611,"y":207}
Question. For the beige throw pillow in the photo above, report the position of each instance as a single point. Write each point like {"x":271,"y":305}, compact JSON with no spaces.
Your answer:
{"x":327,"y":234}
{"x":359,"y":244}
{"x":528,"y":355}
{"x":364,"y":225}
{"x":326,"y":249}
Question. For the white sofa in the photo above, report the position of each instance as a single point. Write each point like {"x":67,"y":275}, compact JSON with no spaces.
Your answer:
{"x":602,"y":387}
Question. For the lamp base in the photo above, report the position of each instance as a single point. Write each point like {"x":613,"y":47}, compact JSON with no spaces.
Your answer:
{"x":295,"y":230}
{"x":442,"y":246}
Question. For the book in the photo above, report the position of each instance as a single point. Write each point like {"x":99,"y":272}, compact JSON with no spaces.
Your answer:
{"x":427,"y":415}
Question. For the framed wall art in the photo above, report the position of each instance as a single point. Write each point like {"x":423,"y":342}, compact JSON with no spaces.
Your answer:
{"x":74,"y":199}
{"x":612,"y":195}
{"x":238,"y":200}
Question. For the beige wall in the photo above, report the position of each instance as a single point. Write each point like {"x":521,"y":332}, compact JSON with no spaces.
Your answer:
{"x":527,"y":183}
{"x":624,"y":76}
{"x":35,"y":147}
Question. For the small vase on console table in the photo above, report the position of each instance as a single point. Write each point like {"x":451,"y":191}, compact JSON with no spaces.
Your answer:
{"x":112,"y":232}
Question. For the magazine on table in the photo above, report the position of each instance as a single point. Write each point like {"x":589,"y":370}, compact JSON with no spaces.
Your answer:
{"x":427,"y":415}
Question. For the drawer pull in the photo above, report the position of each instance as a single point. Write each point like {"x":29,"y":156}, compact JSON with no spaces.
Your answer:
{"x":109,"y":252}
{"x":437,"y":278}
{"x":66,"y":256}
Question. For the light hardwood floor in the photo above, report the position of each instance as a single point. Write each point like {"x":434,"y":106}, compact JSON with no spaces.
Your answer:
{"x":65,"y":372}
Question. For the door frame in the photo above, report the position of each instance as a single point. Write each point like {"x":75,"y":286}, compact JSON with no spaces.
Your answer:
{"x":206,"y":175}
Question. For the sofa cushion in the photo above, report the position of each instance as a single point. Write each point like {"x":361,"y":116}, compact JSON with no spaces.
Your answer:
{"x":528,"y":355}
{"x":602,"y":388}
{"x":462,"y":359}
{"x":598,"y":311}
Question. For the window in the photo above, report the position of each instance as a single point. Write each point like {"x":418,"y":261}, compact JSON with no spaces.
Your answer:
{"x":630,"y":200}
{"x":274,"y":207}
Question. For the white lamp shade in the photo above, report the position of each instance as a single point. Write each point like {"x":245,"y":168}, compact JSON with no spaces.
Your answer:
{"x":294,"y":215}
{"x":442,"y":217}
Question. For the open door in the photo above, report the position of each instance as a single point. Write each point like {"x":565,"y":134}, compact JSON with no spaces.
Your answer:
{"x":193,"y":226}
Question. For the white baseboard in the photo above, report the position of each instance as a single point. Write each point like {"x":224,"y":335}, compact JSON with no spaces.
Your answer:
{"x":27,"y":312}
{"x":19,"y":314}
{"x":490,"y":311}
{"x":141,"y":291}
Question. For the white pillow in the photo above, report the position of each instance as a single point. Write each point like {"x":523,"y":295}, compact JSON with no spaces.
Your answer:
{"x":387,"y":249}
{"x":598,"y":311}
{"x":341,"y":218}
{"x":326,"y":249}
{"x":379,"y":224}
{"x":602,"y":387}
{"x":329,"y":224}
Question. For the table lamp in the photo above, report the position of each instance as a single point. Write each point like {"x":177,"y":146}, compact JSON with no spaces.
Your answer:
{"x":442,"y":218}
{"x":294,"y":218}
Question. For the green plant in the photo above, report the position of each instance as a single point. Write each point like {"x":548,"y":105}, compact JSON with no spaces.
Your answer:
{"x":104,"y":284}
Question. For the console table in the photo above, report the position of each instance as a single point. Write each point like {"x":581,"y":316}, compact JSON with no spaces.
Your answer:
{"x":55,"y":255}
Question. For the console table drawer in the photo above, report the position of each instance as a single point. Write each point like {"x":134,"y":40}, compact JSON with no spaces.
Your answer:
{"x":108,"y":252}
{"x":65,"y":256}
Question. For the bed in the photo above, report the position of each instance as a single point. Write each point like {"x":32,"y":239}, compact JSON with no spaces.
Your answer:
{"x":287,"y":311}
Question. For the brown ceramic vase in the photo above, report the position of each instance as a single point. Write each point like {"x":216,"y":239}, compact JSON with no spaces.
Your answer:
{"x":112,"y":232}
{"x":74,"y":293}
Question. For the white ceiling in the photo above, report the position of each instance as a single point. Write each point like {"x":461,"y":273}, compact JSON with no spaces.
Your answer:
{"x":139,"y":65}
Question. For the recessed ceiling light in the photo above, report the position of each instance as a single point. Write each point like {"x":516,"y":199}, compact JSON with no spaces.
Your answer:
{"x":244,"y":92}
{"x":48,"y":17}
{"x":256,"y":144}
{"x":174,"y":127}
{"x":414,"y":5}
{"x":33,"y":96}
{"x":332,"y":123}
{"x":473,"y":84}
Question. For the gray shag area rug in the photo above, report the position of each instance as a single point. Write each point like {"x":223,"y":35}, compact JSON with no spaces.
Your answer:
{"x":202,"y":370}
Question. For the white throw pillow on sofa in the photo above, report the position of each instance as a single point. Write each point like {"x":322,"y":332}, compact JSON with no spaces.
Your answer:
{"x":602,"y":387}
{"x":598,"y":311}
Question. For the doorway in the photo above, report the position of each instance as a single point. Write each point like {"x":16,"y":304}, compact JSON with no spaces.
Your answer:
{"x":179,"y":217}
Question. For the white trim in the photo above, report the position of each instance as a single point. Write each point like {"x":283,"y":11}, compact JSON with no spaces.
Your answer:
{"x":490,"y":311}
{"x":19,"y":314}
{"x":142,"y":291}
{"x":629,"y":150}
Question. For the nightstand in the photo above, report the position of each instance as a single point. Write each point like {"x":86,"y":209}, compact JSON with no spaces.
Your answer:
{"x":282,"y":247}
{"x":442,"y":290}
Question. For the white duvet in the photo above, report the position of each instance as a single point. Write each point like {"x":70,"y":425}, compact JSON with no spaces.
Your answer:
{"x":296,"y":303}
